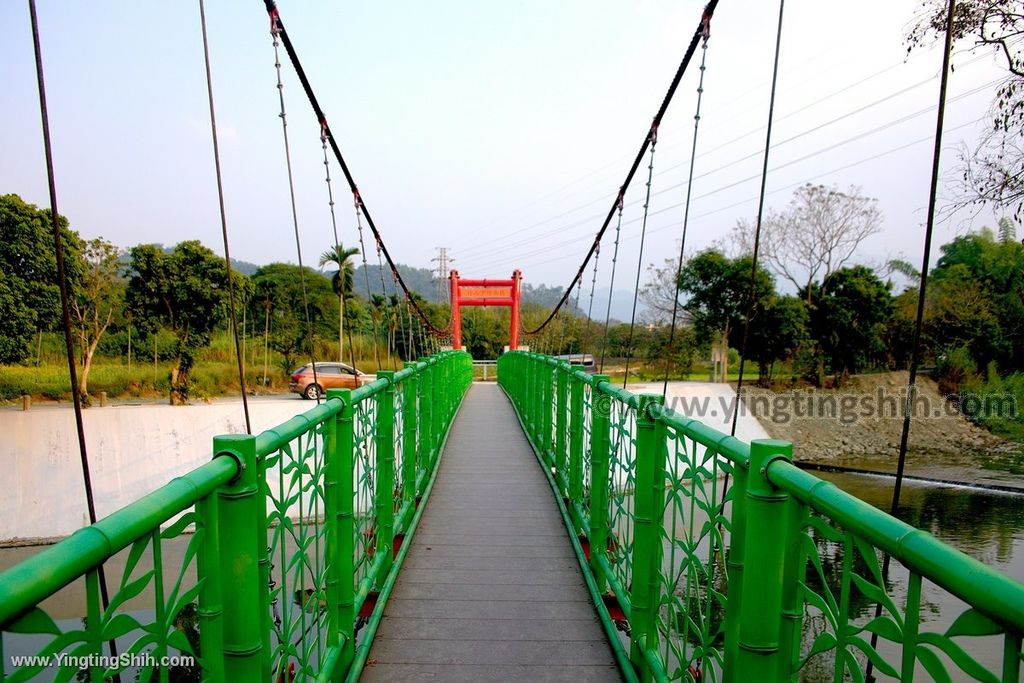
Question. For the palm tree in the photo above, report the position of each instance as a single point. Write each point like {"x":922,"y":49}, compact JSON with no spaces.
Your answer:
{"x":341,"y":283}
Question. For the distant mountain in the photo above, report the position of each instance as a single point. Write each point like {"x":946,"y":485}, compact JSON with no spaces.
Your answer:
{"x":419,"y":280}
{"x":622,"y":305}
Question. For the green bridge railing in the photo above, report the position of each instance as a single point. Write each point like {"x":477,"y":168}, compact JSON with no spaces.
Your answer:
{"x":290,"y":542}
{"x":724,"y":561}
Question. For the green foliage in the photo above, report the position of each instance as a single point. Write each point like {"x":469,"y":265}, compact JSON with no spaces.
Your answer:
{"x":999,"y":402}
{"x":29,"y":290}
{"x":776,"y":332}
{"x":278,"y":299}
{"x":185,"y":290}
{"x":485,"y":331}
{"x":848,"y":318}
{"x":16,"y":322}
{"x":982,"y":297}
{"x":953,"y":369}
{"x":717,"y":293}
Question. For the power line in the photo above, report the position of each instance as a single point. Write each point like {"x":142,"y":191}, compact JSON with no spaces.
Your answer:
{"x":858,"y":136}
{"x":490,"y":243}
{"x":891,"y":150}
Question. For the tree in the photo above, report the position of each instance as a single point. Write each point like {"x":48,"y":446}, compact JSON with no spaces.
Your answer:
{"x":341,"y":283}
{"x":994,"y":172}
{"x":17,"y":322}
{"x":986,"y":275}
{"x":29,"y":289}
{"x":717,"y":293}
{"x":660,"y":293}
{"x":185,"y":290}
{"x":815,"y":236}
{"x":279,"y":299}
{"x":100,"y":295}
{"x":776,"y":333}
{"x":848,"y":319}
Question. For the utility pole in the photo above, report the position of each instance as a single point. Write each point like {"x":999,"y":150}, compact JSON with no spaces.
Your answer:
{"x":443,"y":261}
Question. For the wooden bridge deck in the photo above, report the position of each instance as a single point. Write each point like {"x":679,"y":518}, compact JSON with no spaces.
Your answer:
{"x":490,"y":589}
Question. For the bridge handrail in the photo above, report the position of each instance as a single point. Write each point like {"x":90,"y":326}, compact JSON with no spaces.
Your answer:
{"x":334,"y":490}
{"x":635,"y":476}
{"x":997,"y":595}
{"x":26,"y":584}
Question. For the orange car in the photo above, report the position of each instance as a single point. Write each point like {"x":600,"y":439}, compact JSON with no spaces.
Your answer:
{"x":328,"y":376}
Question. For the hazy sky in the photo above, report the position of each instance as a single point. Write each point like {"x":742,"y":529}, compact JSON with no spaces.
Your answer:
{"x":499,"y":129}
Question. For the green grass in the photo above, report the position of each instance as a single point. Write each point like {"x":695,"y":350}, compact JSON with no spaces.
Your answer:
{"x":1010,"y":390}
{"x":215,"y":373}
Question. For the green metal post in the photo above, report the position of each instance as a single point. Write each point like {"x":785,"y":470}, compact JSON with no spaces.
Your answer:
{"x":735,"y":561}
{"x":527,"y":396}
{"x":385,"y":493}
{"x":239,"y":510}
{"x":794,"y":574}
{"x":211,"y":606}
{"x":410,"y":411}
{"x":426,"y":417}
{"x":545,"y":404}
{"x":575,"y":441}
{"x":437,"y":412}
{"x":341,"y":466}
{"x":446,"y":365}
{"x":760,"y":653}
{"x":600,"y":410}
{"x":648,"y":521}
{"x":332,"y":522}
{"x":561,"y":415}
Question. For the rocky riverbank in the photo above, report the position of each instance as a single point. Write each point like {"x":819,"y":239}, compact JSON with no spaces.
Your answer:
{"x":860,"y":425}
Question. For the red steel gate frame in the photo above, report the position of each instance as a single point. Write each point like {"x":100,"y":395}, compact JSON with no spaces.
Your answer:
{"x":485,"y":293}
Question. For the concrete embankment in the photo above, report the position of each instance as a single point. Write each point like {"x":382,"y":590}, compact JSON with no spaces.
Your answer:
{"x":133,"y":449}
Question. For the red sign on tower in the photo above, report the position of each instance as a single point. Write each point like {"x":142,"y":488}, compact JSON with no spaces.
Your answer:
{"x":485,"y":293}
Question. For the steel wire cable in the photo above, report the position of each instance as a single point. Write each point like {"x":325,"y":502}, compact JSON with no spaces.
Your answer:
{"x":278,"y":28}
{"x":686,"y":210}
{"x":648,"y":139}
{"x":295,"y":216}
{"x":640,"y":258}
{"x":223,"y":219}
{"x":611,"y":286}
{"x":915,"y":349}
{"x":65,"y":312}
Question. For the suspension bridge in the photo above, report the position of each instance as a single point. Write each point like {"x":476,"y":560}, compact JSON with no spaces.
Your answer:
{"x":552,"y":526}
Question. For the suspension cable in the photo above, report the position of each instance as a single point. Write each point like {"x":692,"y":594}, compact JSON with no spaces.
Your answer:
{"x":915,"y":349}
{"x":686,"y":210}
{"x":295,"y":216}
{"x":590,"y":305}
{"x":691,"y":48}
{"x":577,"y":323}
{"x":751,"y":295}
{"x":65,"y":311}
{"x":640,"y":257}
{"x":337,"y":254}
{"x":275,"y":20}
{"x":385,"y":305}
{"x":757,"y":240}
{"x":366,"y":279}
{"x":223,"y":219}
{"x":611,"y":284}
